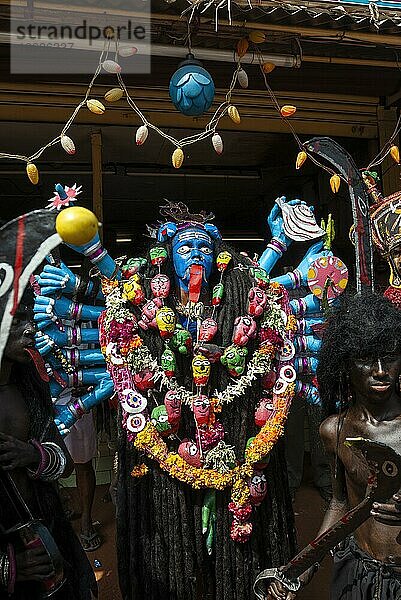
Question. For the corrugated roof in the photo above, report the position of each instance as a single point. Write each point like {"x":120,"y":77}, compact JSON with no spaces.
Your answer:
{"x":372,"y":16}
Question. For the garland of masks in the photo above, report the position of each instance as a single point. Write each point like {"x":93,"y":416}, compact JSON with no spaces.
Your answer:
{"x":207,"y":462}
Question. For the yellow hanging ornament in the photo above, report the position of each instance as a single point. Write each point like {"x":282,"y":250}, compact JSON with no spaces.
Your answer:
{"x":335,"y":183}
{"x":257,"y":37}
{"x":288,"y":110}
{"x":395,"y":154}
{"x":177,"y":158}
{"x":301,"y":158}
{"x":268,"y":67}
{"x":234,"y":114}
{"x":95,"y":106}
{"x":114,"y":94}
{"x":33,"y":173}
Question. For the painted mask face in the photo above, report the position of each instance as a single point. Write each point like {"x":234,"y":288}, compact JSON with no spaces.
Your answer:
{"x":222,"y":260}
{"x":144,"y":380}
{"x":168,"y":362}
{"x":262,"y":278}
{"x":208,"y":330}
{"x":132,"y":266}
{"x":257,"y":301}
{"x":201,"y":408}
{"x":173,"y":406}
{"x":148,"y":315}
{"x":234,"y":359}
{"x":244,"y":330}
{"x":192,"y":246}
{"x":132,"y":291}
{"x":158,"y":255}
{"x":189,"y":451}
{"x":263,"y":412}
{"x":160,"y":420}
{"x":181,"y":340}
{"x":200,"y":369}
{"x":160,"y":286}
{"x":165,"y":319}
{"x":257,"y":487}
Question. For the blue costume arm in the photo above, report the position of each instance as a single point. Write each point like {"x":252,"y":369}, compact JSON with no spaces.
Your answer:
{"x":48,"y":309}
{"x":54,"y":279}
{"x":299,"y":277}
{"x":99,"y":257}
{"x":68,"y":414}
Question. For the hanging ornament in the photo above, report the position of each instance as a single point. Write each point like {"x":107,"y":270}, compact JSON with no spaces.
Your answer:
{"x":395,"y":154}
{"x":301,"y":158}
{"x":67,"y":144}
{"x":222,"y":260}
{"x":114,"y":94}
{"x":95,"y":106}
{"x":335,"y":183}
{"x":141,"y":135}
{"x":33,"y":173}
{"x":217,"y":143}
{"x":191,"y":88}
{"x":111,"y":66}
{"x":243,"y":78}
{"x":242,"y":47}
{"x":177,"y":158}
{"x":127,"y":51}
{"x":288,"y":110}
{"x":268,"y":67}
{"x":257,"y":37}
{"x":234,"y":114}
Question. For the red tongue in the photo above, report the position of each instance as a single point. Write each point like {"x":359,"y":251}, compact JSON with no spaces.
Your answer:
{"x":39,"y":363}
{"x":195,"y":282}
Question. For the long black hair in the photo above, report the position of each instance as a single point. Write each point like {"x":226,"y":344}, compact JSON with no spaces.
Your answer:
{"x":161,"y":549}
{"x":365,"y":325}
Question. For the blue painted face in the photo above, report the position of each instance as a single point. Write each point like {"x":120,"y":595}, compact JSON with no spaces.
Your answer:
{"x":192,"y":247}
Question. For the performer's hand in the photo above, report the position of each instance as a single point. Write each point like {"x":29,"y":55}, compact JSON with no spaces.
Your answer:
{"x":276,"y":591}
{"x":276,"y":224}
{"x":389,"y":513}
{"x":16,"y":454}
{"x":33,"y":565}
{"x":314,"y":252}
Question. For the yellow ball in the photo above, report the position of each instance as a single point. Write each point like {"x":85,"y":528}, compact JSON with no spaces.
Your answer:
{"x":76,"y":225}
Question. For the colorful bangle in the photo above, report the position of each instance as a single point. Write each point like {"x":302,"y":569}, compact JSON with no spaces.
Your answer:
{"x":277,"y":245}
{"x":43,"y":460}
{"x":12,"y":569}
{"x":56,"y":463}
{"x":4,"y":569}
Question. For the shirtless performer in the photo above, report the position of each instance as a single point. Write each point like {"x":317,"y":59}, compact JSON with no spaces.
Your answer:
{"x":26,"y":425}
{"x":359,"y":371}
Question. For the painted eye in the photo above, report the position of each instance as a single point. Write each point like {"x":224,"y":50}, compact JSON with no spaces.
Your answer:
{"x":183,"y":250}
{"x":206,"y":250}
{"x":163,"y":418}
{"x":288,"y":374}
{"x":193,"y":450}
{"x":390,"y":468}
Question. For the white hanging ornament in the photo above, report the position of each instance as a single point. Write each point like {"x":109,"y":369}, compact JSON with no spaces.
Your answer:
{"x":67,"y":144}
{"x":217,"y":143}
{"x":243,"y":78}
{"x":127,"y":51}
{"x":111,"y":66}
{"x":141,"y":135}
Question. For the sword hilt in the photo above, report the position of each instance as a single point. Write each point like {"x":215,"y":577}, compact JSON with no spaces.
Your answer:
{"x":264,"y":578}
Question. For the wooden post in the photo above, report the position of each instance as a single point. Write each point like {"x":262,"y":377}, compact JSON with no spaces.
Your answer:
{"x":386,"y":122}
{"x":97,"y":177}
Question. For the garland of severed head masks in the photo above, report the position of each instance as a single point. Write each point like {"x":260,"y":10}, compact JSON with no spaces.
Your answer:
{"x":139,"y":378}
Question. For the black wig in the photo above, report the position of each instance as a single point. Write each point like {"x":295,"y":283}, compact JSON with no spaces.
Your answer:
{"x":365,"y":325}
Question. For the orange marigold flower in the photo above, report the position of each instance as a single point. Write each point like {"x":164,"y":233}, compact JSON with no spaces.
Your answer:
{"x":139,"y":470}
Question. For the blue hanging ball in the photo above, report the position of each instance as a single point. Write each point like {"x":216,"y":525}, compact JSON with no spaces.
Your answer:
{"x":191,"y":88}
